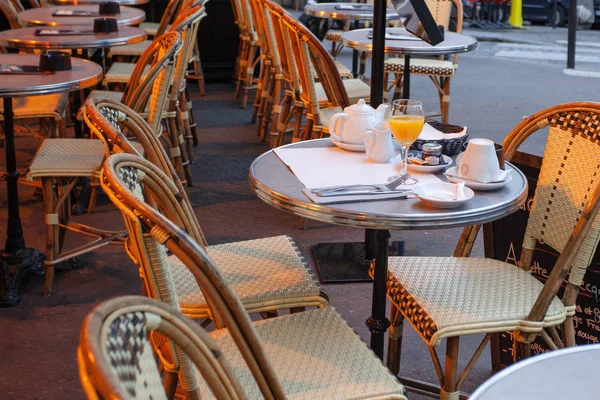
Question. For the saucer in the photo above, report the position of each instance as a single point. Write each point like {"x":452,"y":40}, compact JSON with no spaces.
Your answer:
{"x":476,"y":185}
{"x":442,"y":195}
{"x":429,"y":169}
{"x":349,"y":146}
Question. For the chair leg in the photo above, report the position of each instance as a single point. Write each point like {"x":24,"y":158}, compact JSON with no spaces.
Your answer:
{"x":395,"y":340}
{"x":386,"y":89}
{"x":449,"y":388}
{"x":171,"y":380}
{"x":191,"y":120}
{"x":48,"y":188}
{"x":445,"y":99}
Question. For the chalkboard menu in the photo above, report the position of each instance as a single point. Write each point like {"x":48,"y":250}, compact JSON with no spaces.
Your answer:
{"x":507,"y":238}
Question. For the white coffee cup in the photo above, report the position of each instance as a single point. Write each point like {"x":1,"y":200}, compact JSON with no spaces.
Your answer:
{"x":479,"y":161}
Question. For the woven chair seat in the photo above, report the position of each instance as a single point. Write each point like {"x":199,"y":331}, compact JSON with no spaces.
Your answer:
{"x":44,"y":106}
{"x":133,"y":50}
{"x":263,"y":272}
{"x":334,"y":35}
{"x":326,"y":114}
{"x":150,"y":27}
{"x":356,"y":89}
{"x":67,"y":157}
{"x":344,"y":71}
{"x":120,"y":72}
{"x":422,"y":66}
{"x":443,"y":297}
{"x":315,"y":355}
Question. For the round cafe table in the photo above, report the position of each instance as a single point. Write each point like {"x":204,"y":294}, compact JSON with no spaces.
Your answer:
{"x":43,"y":16}
{"x":84,"y":2}
{"x":454,"y":43}
{"x":348,"y":12}
{"x":83,"y":74}
{"x":570,"y":373}
{"x":26,"y":38}
{"x":274,"y":183}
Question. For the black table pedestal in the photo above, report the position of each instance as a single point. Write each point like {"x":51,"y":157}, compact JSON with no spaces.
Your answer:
{"x":15,"y":252}
{"x":377,"y":322}
{"x":406,"y":78}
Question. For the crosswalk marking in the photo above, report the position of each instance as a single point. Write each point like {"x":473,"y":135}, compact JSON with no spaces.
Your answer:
{"x":584,"y":53}
{"x":519,"y":46}
{"x":588,"y":44}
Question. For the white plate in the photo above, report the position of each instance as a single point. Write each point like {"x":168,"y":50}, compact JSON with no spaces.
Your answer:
{"x":484,"y":187}
{"x":429,"y":168}
{"x":349,"y":146}
{"x":441,"y":195}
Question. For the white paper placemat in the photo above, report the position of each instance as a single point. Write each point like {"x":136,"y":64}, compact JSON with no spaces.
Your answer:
{"x":329,"y":166}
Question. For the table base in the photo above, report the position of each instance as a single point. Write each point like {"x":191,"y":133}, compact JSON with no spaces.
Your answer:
{"x":27,"y":261}
{"x":346,"y":262}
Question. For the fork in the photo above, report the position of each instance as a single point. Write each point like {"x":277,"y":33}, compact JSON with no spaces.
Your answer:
{"x":356,"y":189}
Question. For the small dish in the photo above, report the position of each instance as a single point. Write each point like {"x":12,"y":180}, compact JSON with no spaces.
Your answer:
{"x":429,"y":169}
{"x":348,"y":146}
{"x":443,"y":195}
{"x":451,"y":174}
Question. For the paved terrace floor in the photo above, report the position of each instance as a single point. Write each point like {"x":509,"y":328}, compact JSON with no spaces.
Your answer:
{"x":38,"y":338}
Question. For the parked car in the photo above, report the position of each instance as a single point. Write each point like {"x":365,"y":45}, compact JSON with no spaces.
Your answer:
{"x":541,"y":11}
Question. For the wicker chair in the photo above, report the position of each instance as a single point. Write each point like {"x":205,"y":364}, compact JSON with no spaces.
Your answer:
{"x":147,"y":93}
{"x":451,"y":297}
{"x":49,"y":109}
{"x":107,"y":119}
{"x":439,"y":70}
{"x":338,"y":363}
{"x":321,"y":99}
{"x":60,"y":163}
{"x":111,"y":368}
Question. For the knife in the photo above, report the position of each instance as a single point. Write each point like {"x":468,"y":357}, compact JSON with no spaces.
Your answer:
{"x":361,"y":192}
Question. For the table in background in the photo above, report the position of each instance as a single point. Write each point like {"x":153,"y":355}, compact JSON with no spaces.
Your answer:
{"x":85,"y":2}
{"x":453,"y":43}
{"x":330,"y":10}
{"x":83,"y":74}
{"x":570,"y":373}
{"x":43,"y":16}
{"x":25,"y":38}
{"x":274,"y":183}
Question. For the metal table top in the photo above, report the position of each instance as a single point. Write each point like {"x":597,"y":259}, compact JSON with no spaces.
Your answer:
{"x":83,"y":75}
{"x":454,"y":43}
{"x":79,"y":2}
{"x":43,"y":16}
{"x":330,"y":10}
{"x":569,"y":373}
{"x":275,"y":184}
{"x":25,"y":38}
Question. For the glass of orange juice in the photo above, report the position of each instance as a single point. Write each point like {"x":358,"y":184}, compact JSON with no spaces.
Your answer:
{"x":406,"y":123}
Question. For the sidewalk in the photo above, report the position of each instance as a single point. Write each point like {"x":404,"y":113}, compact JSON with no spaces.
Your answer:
{"x":530,"y":34}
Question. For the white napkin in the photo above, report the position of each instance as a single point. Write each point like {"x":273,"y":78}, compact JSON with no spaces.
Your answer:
{"x":430,"y":133}
{"x":318,"y":167}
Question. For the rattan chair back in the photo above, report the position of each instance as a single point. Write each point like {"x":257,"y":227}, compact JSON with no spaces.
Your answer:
{"x":127,"y":180}
{"x":564,"y":213}
{"x":116,"y":359}
{"x":313,"y":63}
{"x":10,"y":11}
{"x":152,"y":76}
{"x":112,"y":122}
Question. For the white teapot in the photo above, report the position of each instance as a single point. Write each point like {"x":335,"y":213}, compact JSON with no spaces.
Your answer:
{"x":355,"y":120}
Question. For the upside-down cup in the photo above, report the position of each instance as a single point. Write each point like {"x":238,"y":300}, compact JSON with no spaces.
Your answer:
{"x":109,"y":8}
{"x":55,"y":61}
{"x":105,"y":25}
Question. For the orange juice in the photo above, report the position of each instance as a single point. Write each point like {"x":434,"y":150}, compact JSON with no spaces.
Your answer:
{"x":406,"y":128}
